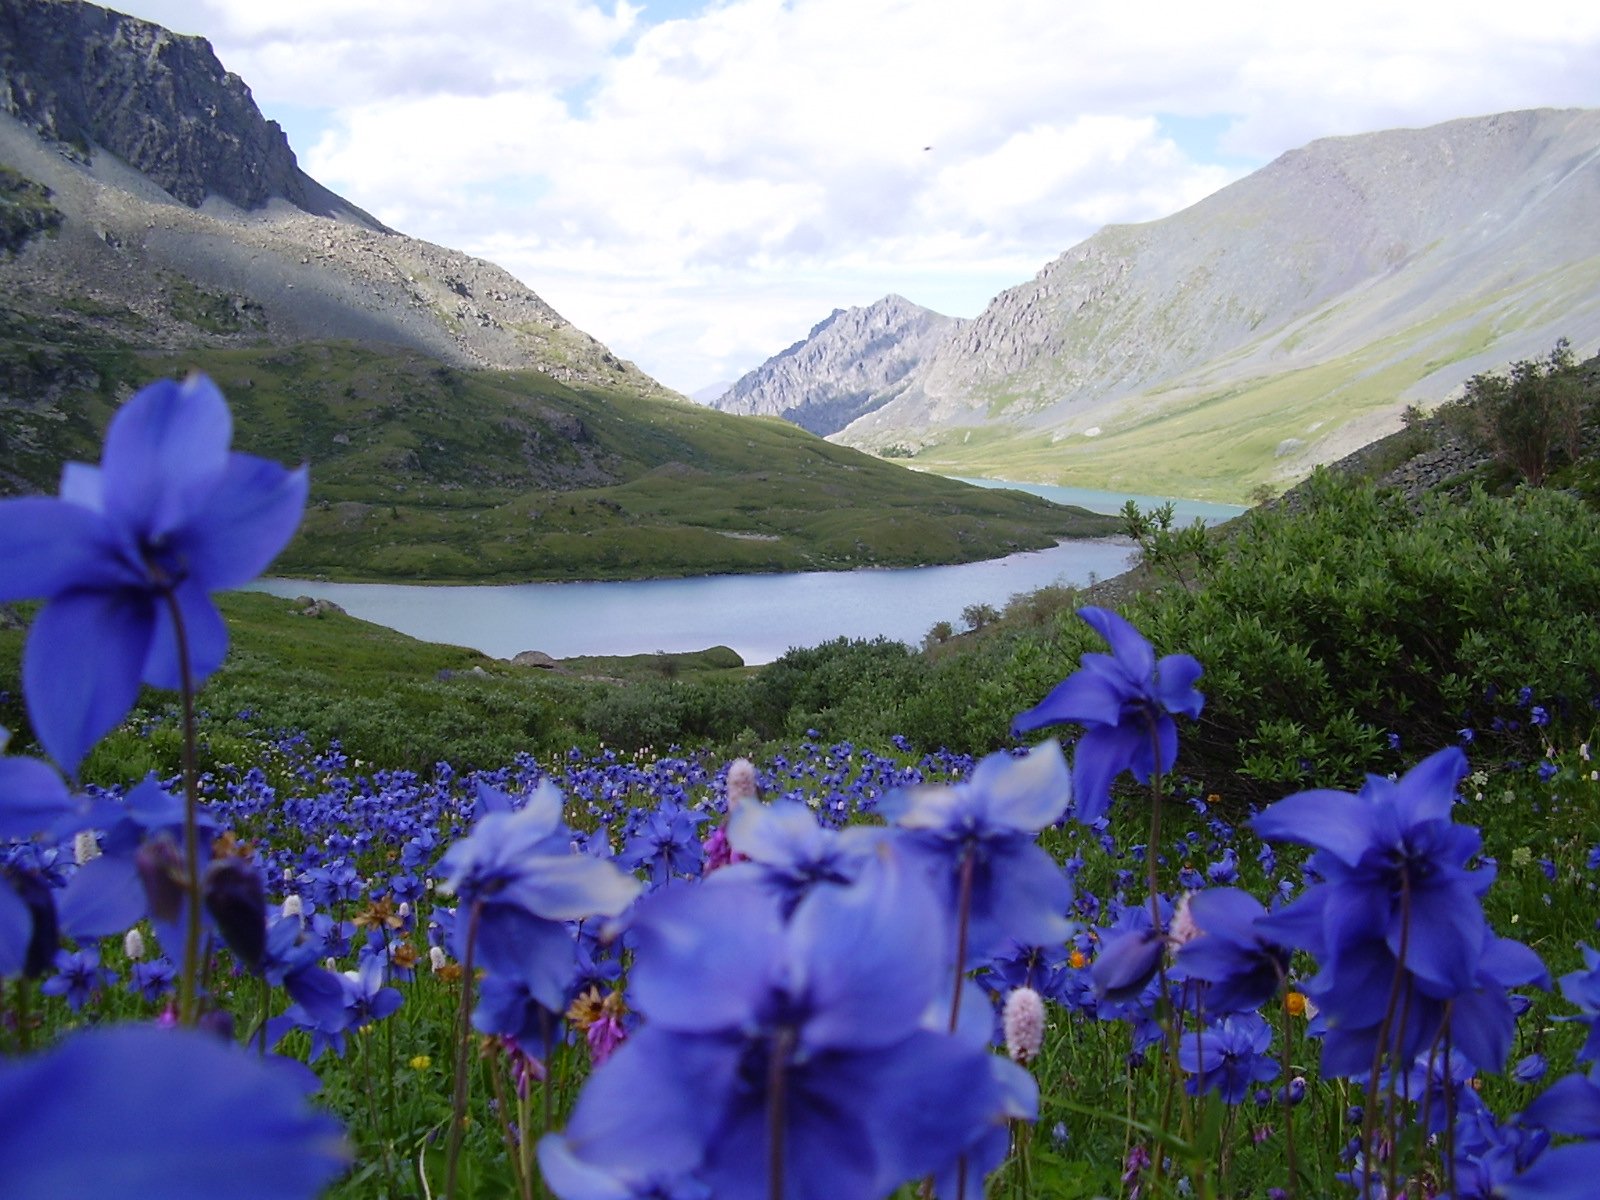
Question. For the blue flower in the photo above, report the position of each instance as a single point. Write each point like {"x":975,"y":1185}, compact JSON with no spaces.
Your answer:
{"x":1582,"y":991}
{"x":1125,"y":700}
{"x":1243,"y":967}
{"x":518,"y":871}
{"x":986,"y":827}
{"x":1229,"y":1057}
{"x":1396,"y":903}
{"x":790,"y":853}
{"x":825,"y":1010}
{"x":139,"y":1111}
{"x":130,"y":548}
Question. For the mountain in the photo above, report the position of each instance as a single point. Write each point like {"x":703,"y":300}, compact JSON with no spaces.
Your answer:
{"x":187,"y":220}
{"x":1279,"y":323}
{"x":853,"y":362}
{"x":152,"y":222}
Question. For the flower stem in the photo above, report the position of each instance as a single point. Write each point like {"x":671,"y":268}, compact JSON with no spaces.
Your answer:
{"x":188,"y":998}
{"x":963,"y":924}
{"x":458,"y":1102}
{"x":782,"y":1043}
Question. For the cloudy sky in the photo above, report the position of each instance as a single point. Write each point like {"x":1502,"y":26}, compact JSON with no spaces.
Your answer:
{"x":697,"y":182}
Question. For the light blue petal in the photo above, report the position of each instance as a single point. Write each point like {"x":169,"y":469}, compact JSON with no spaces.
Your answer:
{"x":570,"y":887}
{"x":1026,"y":793}
{"x":570,"y":1178}
{"x":654,"y":1105}
{"x":781,"y":833}
{"x":705,"y":954}
{"x":81,"y":668}
{"x":1021,"y":895}
{"x":871,"y":956}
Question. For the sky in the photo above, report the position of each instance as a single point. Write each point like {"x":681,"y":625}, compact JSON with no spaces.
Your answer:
{"x":698,"y":182}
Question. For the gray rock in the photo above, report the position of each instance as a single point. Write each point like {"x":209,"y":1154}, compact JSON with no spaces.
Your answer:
{"x":849,"y":364}
{"x":534,"y":658}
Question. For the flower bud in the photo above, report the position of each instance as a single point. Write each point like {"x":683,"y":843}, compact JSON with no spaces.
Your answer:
{"x":1023,"y":1022}
{"x":436,"y":959}
{"x":236,"y":898}
{"x":293,"y":906}
{"x":133,"y":945}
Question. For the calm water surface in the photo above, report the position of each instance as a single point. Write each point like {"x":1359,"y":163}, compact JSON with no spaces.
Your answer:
{"x":760,"y":616}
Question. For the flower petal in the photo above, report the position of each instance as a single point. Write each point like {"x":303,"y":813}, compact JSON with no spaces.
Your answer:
{"x":32,"y":798}
{"x":245,"y":522}
{"x":173,"y":1112}
{"x":870,"y":956}
{"x":1088,"y":696}
{"x":49,"y":547}
{"x":205,"y":634}
{"x":1175,"y":676}
{"x":1023,"y":793}
{"x":81,"y":668}
{"x":1128,"y":645}
{"x":165,"y":448}
{"x":1333,"y":821}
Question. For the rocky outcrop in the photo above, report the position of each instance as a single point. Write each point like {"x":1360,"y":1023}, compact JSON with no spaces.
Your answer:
{"x":854,"y":361}
{"x":185,"y":220}
{"x":84,"y":76}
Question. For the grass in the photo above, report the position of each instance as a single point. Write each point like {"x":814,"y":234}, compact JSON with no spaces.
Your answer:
{"x":425,"y":473}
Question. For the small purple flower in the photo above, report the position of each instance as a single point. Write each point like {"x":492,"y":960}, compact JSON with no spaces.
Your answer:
{"x":1229,"y":1057}
{"x":79,"y":977}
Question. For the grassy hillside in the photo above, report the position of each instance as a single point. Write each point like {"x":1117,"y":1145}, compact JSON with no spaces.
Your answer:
{"x":424,"y":472}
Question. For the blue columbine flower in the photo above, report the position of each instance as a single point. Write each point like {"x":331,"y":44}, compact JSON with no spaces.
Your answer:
{"x":1125,"y":700}
{"x":1396,"y":896}
{"x":1243,"y":966}
{"x":823,"y":1013}
{"x":1229,"y":1057}
{"x":518,"y":872}
{"x":986,"y":826}
{"x":168,"y":517}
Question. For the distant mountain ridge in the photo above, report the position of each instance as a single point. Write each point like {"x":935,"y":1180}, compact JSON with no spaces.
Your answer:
{"x":1279,"y":323}
{"x":852,"y":362}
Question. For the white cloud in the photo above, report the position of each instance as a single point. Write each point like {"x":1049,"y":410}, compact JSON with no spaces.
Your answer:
{"x":698,"y":191}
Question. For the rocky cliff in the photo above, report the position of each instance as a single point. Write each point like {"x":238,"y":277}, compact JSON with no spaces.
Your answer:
{"x":854,"y":361}
{"x":84,"y":76}
{"x":184,"y":218}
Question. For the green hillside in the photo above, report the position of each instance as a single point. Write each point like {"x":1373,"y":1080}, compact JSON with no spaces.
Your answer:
{"x":425,"y":472}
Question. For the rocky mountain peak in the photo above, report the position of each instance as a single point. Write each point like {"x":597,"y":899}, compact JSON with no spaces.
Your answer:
{"x":852,"y":361}
{"x":83,"y":76}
